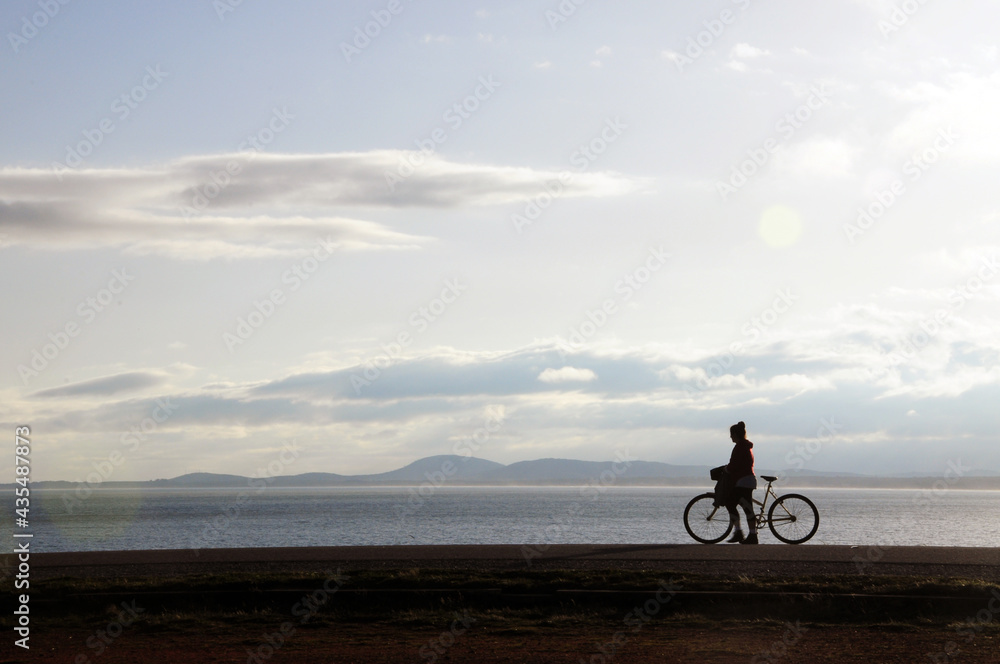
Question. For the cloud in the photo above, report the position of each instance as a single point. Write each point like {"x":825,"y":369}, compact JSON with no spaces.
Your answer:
{"x":446,"y":373}
{"x":61,"y":225}
{"x":879,"y":347}
{"x":109,"y":385}
{"x":567,"y":375}
{"x":672,"y":56}
{"x":257,"y":205}
{"x":956,"y":119}
{"x":602,"y":52}
{"x":746,"y":51}
{"x":796,"y":383}
{"x":782,"y":388}
{"x":738,"y":54}
{"x":822,"y":156}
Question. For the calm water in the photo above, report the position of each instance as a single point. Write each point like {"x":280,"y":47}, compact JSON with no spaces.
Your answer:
{"x":169,"y":519}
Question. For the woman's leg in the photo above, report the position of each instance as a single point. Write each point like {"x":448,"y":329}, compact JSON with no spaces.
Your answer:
{"x":734,"y":518}
{"x":746,"y":502}
{"x":745,"y":499}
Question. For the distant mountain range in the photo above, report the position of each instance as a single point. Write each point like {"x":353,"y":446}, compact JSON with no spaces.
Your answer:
{"x":460,"y":470}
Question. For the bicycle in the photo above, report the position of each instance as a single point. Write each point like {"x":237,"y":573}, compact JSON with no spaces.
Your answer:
{"x":793,"y":518}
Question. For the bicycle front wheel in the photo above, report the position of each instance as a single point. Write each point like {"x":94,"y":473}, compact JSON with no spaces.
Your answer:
{"x":793,"y":518}
{"x":704,"y":521}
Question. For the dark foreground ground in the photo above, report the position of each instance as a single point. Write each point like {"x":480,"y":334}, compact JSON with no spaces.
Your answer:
{"x":572,"y":603}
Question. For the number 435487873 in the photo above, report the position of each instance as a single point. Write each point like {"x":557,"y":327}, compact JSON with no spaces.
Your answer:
{"x":21,"y":451}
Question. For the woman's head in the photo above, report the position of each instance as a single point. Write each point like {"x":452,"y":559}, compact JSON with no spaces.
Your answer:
{"x":738,"y":431}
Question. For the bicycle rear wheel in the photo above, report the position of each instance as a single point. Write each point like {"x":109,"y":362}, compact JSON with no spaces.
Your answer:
{"x":793,"y":518}
{"x":704,"y":521}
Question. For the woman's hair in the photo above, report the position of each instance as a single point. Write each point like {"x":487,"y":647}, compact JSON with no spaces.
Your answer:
{"x":739,"y":429}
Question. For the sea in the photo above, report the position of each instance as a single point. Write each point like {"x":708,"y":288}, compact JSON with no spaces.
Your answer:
{"x":123,"y":519}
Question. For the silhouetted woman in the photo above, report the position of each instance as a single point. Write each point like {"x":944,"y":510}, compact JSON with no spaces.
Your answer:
{"x":743,"y":481}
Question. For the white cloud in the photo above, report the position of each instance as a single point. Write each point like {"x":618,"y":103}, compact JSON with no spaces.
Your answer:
{"x":132,"y":382}
{"x":741,"y":52}
{"x":179,"y":210}
{"x":746,"y":51}
{"x":883,"y":7}
{"x":817,"y":156}
{"x":672,"y":56}
{"x":783,"y":389}
{"x":796,"y":383}
{"x":922,"y":92}
{"x":567,"y":375}
{"x":966,"y":107}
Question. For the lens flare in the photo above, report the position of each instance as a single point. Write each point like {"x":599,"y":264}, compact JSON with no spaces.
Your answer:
{"x":780,"y":226}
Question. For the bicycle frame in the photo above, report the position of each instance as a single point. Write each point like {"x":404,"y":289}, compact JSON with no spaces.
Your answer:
{"x":761,"y":517}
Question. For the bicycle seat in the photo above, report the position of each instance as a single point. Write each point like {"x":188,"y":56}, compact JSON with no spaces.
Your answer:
{"x":768,"y":478}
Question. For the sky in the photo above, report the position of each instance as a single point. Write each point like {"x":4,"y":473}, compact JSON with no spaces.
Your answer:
{"x":378,"y":231}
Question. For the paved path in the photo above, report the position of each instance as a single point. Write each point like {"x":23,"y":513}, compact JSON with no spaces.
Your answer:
{"x":982,"y":563}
